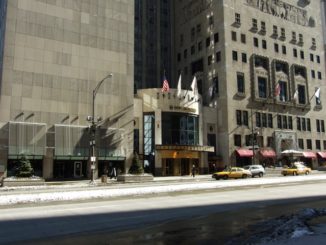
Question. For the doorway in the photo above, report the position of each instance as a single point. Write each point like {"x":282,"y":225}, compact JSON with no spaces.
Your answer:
{"x":78,"y":169}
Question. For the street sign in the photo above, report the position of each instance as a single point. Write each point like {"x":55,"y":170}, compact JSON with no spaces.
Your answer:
{"x":93,"y":159}
{"x":93,"y":166}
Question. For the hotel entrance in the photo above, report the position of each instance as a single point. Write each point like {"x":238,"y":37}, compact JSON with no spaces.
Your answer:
{"x":178,"y":167}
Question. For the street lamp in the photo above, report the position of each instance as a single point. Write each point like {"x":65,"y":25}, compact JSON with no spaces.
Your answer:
{"x":93,"y":126}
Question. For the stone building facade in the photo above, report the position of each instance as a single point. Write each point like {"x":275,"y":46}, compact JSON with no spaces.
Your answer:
{"x":55,"y":54}
{"x":259,"y":65}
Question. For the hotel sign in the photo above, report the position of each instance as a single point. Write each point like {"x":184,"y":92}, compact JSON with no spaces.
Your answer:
{"x":185,"y":147}
{"x":181,"y":108}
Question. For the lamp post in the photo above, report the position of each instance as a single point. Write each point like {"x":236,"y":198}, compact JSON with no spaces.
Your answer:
{"x":93,"y":128}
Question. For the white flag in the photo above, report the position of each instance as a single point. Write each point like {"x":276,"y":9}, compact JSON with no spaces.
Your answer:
{"x":295,"y":96}
{"x":179,"y":87}
{"x":317,"y":93}
{"x":194,"y":87}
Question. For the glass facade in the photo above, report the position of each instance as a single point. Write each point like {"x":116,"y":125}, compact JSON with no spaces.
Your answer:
{"x":179,"y":129}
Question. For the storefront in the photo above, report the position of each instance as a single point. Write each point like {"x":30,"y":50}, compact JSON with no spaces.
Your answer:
{"x":309,"y":158}
{"x":267,"y":157}
{"x":321,"y":159}
{"x":244,"y":157}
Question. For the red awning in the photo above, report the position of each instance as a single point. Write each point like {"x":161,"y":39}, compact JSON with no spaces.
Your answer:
{"x":268,"y":153}
{"x":322,"y":154}
{"x":245,"y":153}
{"x":309,"y":154}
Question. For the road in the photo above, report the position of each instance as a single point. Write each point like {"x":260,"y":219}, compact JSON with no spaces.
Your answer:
{"x":103,"y":221}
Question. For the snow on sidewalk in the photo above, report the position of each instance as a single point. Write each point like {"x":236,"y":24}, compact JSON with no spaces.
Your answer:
{"x":67,"y":195}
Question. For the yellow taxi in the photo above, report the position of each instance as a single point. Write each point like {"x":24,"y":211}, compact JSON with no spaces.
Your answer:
{"x":233,"y":172}
{"x":296,"y":169}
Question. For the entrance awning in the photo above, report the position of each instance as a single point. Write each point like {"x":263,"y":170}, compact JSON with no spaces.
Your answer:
{"x":245,"y":152}
{"x":309,"y":154}
{"x":268,"y":153}
{"x":322,"y":154}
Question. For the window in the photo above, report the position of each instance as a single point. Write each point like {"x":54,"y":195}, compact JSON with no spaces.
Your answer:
{"x":319,"y":75}
{"x":285,"y":122}
{"x":237,"y":18}
{"x":324,"y":144}
{"x":311,"y":57}
{"x":192,"y":51}
{"x":302,"y":54}
{"x":283,"y":49}
{"x":200,"y":46}
{"x":264,"y":120}
{"x":322,"y":125}
{"x":235,"y":55}
{"x":318,"y":125}
{"x":283,"y":33}
{"x":263,"y":26}
{"x":179,"y":57}
{"x":279,"y":121}
{"x":276,"y":47}
{"x":218,"y":56}
{"x":258,"y":119}
{"x":309,"y":144}
{"x":294,"y":36}
{"x":295,"y":53}
{"x":209,"y":60}
{"x":300,"y":39}
{"x":239,"y":119}
{"x":192,"y":33}
{"x":234,"y":36}
{"x":318,"y":59}
{"x":303,"y":126}
{"x":275,"y":30}
{"x":301,"y":94}
{"x":215,"y":83}
{"x":290,"y":122}
{"x":240,"y":82}
{"x":300,"y":143}
{"x":299,"y":123}
{"x":208,"y":42}
{"x":270,"y":141}
{"x":211,"y":20}
{"x":313,"y":74}
{"x":243,"y":38}
{"x":245,"y":118}
{"x":216,"y":37}
{"x":256,"y":42}
{"x":244,"y":57}
{"x":313,"y":42}
{"x":185,"y":54}
{"x":264,"y":44}
{"x":237,"y":140}
{"x":262,"y":87}
{"x":198,"y":28}
{"x":254,"y":24}
{"x":283,"y":91}
{"x":181,"y":40}
{"x":317,"y":144}
{"x":270,"y":120}
{"x":308,"y":125}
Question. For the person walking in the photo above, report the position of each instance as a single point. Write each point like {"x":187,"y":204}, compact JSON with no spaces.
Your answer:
{"x":193,"y":171}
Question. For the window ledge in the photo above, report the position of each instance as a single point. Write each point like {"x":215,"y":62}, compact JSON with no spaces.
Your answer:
{"x":240,"y":94}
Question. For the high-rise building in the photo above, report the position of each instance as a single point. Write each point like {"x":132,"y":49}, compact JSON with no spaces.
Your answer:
{"x":153,"y":43}
{"x":260,"y":65}
{"x":53,"y":54}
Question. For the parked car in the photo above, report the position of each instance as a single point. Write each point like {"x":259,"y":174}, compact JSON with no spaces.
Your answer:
{"x":256,"y":170}
{"x":233,"y":172}
{"x":295,"y":169}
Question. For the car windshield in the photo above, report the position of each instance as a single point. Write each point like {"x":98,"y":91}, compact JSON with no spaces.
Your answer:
{"x":246,"y":167}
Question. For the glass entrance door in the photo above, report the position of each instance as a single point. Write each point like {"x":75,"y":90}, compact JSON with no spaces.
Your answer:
{"x":78,"y":167}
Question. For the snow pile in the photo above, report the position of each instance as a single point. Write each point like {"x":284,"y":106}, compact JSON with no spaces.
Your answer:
{"x":280,"y":230}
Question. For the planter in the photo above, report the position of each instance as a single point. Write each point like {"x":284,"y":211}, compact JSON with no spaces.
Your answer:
{"x":135,"y":178}
{"x":16,"y":181}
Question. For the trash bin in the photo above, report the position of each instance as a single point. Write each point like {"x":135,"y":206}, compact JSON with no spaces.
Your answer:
{"x":104,"y":178}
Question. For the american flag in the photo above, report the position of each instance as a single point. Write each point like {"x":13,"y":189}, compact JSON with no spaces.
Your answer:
{"x":166,"y":86}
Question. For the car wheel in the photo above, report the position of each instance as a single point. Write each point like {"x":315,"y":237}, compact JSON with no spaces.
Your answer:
{"x":295,"y":173}
{"x":284,"y":174}
{"x":260,"y":175}
{"x":307,"y":172}
{"x":244,"y":176}
{"x":225,"y":177}
{"x":217,"y":178}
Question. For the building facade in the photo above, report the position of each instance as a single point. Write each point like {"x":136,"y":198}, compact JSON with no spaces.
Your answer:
{"x":169,"y":128}
{"x":260,"y":65}
{"x":54,"y":55}
{"x":153,"y":42}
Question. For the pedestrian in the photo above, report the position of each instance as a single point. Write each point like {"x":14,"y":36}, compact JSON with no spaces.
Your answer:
{"x":113,"y":173}
{"x":193,"y":171}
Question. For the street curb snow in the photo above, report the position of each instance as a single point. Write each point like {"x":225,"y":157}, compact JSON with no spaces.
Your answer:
{"x":137,"y":191}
